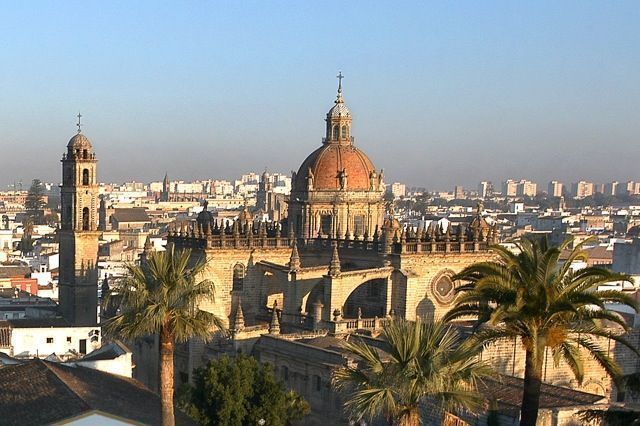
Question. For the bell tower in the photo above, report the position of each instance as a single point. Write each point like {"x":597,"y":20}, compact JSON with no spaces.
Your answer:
{"x":78,"y":281}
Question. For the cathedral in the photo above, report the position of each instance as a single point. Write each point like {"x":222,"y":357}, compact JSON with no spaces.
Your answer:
{"x":335,"y":261}
{"x":339,"y":254}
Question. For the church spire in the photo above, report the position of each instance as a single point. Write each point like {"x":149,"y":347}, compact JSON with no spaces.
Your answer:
{"x":274,"y":325}
{"x":334,"y":265}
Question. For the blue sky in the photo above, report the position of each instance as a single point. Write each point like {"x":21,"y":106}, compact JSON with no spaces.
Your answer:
{"x":442,"y":93}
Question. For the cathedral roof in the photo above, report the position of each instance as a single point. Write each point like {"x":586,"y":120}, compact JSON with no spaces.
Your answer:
{"x":326,"y":164}
{"x":339,"y":109}
{"x":337,"y":164}
{"x":79,"y":141}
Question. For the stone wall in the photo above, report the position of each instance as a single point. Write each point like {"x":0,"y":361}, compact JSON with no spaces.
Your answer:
{"x":417,"y":277}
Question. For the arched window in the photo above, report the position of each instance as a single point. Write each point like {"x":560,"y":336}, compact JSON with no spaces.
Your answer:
{"x":335,"y":132}
{"x":85,"y":219}
{"x":85,"y":177}
{"x":238,"y":277}
{"x":85,"y":154}
{"x":344,"y":132}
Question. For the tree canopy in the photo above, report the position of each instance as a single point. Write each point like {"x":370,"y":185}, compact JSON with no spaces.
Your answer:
{"x":530,"y":294}
{"x":241,"y":391}
{"x":421,"y":361}
{"x":35,"y":203}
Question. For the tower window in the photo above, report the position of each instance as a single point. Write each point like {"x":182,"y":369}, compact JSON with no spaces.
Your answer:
{"x":335,"y":132}
{"x":85,"y":219}
{"x":85,"y":154}
{"x":238,"y":277}
{"x":85,"y":177}
{"x":344,"y":132}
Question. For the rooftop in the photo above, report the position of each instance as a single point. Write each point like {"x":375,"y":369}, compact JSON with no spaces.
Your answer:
{"x":42,"y":392}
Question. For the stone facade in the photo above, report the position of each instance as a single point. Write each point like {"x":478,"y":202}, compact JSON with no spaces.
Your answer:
{"x":79,"y":234}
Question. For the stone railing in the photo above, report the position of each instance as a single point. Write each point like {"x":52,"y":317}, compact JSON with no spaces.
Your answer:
{"x":440,"y":247}
{"x":348,"y":325}
{"x":251,"y":239}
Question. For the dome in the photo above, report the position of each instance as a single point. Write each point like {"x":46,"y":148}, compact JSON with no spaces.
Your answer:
{"x":79,"y":141}
{"x":326,"y":165}
{"x":339,"y":110}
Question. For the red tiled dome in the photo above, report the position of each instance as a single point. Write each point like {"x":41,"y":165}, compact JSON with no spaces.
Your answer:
{"x":328,"y":161}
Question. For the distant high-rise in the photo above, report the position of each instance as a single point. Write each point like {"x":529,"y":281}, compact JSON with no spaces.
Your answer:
{"x":582,"y":189}
{"x":509,"y":188}
{"x":554,"y":189}
{"x":398,"y":189}
{"x":78,"y":233}
{"x":526,"y":188}
{"x":458,"y":192}
{"x":611,"y":188}
{"x":485,"y":189}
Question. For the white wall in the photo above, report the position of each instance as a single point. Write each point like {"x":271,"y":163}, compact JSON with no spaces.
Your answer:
{"x":122,"y":365}
{"x":33,"y":341}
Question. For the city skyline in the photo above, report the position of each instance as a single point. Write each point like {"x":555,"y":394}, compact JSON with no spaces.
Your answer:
{"x":198,"y":92}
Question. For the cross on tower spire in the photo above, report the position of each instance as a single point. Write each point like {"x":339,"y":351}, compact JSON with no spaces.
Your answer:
{"x":79,"y":123}
{"x":340,"y":77}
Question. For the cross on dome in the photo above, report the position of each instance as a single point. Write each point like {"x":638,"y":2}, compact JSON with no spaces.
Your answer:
{"x":339,"y":97}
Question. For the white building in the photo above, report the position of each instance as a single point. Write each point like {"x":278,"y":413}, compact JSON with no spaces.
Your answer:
{"x":41,"y":337}
{"x":555,"y":189}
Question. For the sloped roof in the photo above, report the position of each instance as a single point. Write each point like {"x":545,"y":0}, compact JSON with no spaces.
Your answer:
{"x":109,"y":351}
{"x":507,"y":390}
{"x":41,"y":392}
{"x":135,"y":214}
{"x":14,"y":271}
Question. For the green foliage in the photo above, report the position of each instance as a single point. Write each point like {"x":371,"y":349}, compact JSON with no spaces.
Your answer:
{"x":35,"y":204}
{"x":420,"y":361}
{"x":529,"y":293}
{"x":26,"y":242}
{"x":164,"y":293}
{"x":241,"y":391}
{"x":611,"y":417}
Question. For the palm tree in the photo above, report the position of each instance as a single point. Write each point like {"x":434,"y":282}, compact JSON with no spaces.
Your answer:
{"x":530,"y":294}
{"x":160,"y":297}
{"x":419,"y":362}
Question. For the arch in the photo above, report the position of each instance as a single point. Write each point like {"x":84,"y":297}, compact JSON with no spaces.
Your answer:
{"x":370,"y":297}
{"x":335,"y":132}
{"x":238,"y":277}
{"x":316,"y":293}
{"x":85,"y":177}
{"x":343,"y":134}
{"x":85,"y":219}
{"x":594,"y":386}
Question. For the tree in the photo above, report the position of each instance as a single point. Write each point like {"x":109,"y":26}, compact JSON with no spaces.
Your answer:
{"x":161,"y":297}
{"x":531,"y":295}
{"x":241,"y":391}
{"x":26,"y":242}
{"x":421,"y":361}
{"x":35,"y":204}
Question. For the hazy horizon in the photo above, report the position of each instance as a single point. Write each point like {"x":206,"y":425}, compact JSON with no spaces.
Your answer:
{"x":441,"y":94}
